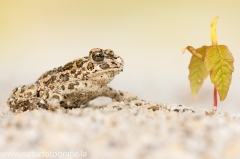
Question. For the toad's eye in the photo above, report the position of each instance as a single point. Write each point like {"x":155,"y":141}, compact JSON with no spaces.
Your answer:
{"x":97,"y":56}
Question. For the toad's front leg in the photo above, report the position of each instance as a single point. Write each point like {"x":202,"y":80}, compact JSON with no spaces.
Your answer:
{"x":128,"y":98}
{"x":118,"y":95}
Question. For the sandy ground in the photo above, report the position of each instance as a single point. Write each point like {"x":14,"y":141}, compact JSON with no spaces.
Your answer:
{"x":122,"y":131}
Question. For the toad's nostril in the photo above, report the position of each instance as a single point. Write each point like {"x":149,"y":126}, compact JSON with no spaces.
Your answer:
{"x":120,"y":60}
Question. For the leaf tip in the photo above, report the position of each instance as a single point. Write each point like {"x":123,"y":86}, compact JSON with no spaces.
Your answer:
{"x":195,"y":95}
{"x":184,"y":49}
{"x":222,"y":98}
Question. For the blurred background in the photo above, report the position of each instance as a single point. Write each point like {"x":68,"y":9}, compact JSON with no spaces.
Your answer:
{"x":36,"y":36}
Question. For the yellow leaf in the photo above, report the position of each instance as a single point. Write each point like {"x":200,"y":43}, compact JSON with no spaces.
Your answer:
{"x":213,"y":33}
{"x":197,"y":71}
{"x":219,"y":62}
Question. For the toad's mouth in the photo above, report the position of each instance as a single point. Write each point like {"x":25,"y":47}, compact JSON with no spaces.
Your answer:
{"x":110,"y":72}
{"x":115,"y":70}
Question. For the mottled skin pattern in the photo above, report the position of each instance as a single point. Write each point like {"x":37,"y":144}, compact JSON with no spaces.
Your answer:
{"x":73,"y":84}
